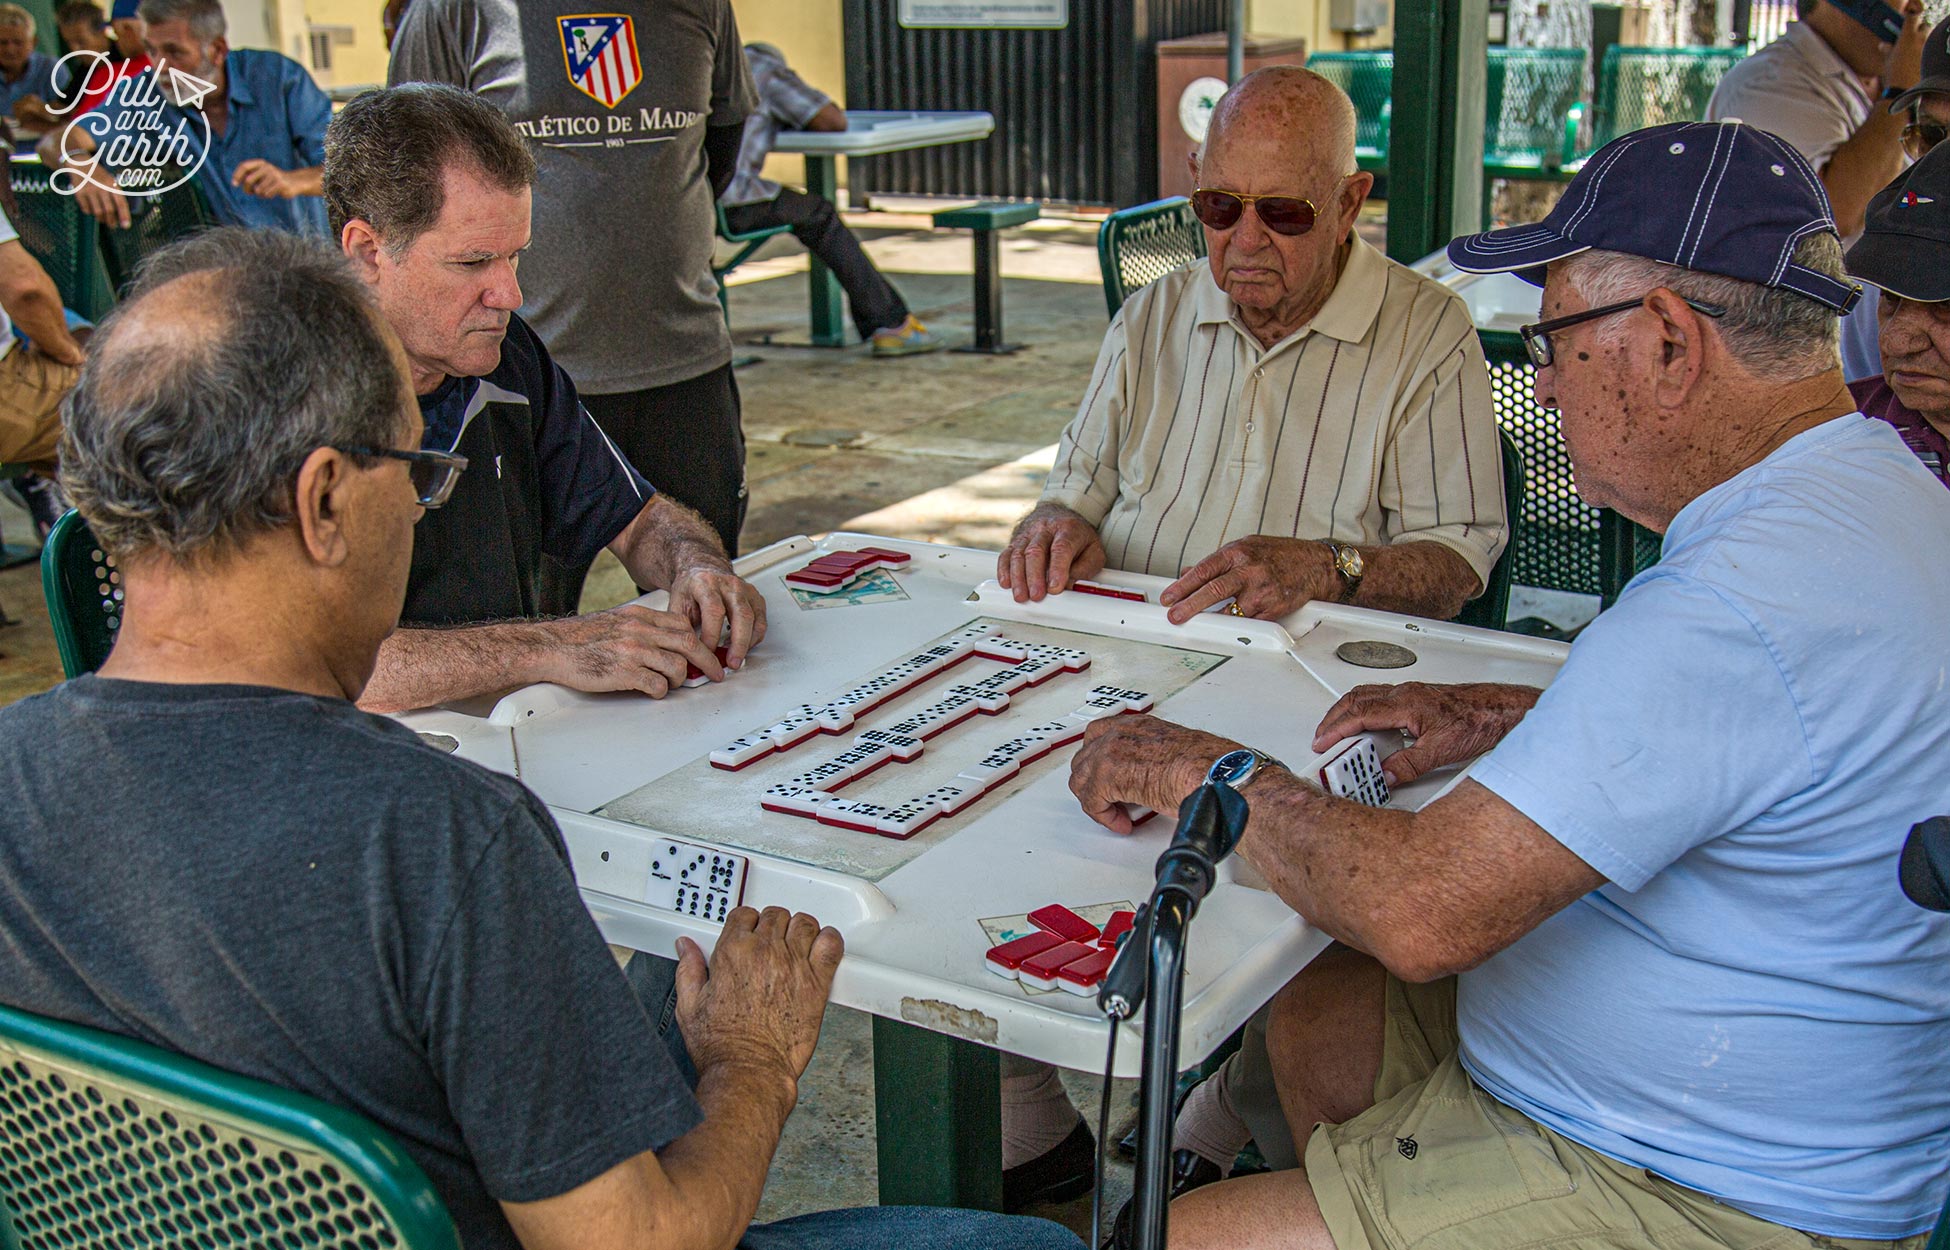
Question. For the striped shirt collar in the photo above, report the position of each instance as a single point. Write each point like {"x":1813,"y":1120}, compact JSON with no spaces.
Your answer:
{"x":1347,"y":315}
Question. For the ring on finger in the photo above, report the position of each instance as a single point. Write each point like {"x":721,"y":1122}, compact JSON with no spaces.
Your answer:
{"x":1232,"y":609}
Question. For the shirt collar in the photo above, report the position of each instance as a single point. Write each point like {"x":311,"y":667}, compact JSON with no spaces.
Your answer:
{"x":1815,"y":50}
{"x":1347,"y":315}
{"x":236,"y":86}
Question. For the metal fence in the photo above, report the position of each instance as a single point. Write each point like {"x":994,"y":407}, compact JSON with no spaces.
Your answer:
{"x":1757,"y":23}
{"x":1075,"y":109}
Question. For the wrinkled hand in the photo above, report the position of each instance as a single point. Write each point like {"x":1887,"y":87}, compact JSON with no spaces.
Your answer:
{"x":1266,"y":577}
{"x":1448,"y":724}
{"x":1902,"y":65}
{"x":712,"y":598}
{"x":262,"y":179}
{"x":1143,"y":760}
{"x":627,"y":648}
{"x":1050,"y":549}
{"x":759,"y":1000}
{"x":111,"y":208}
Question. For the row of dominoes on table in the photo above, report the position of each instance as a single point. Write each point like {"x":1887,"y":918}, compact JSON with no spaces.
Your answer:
{"x":1066,"y":951}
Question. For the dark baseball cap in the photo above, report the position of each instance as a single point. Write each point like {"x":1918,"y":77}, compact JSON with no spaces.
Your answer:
{"x":1905,"y":243}
{"x":123,"y":9}
{"x":1936,"y":68}
{"x":1717,"y":197}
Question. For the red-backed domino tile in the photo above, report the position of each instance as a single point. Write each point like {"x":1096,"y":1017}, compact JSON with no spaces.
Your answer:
{"x":890,"y":556}
{"x":817,"y":579}
{"x":1117,"y":926}
{"x":1063,"y":922}
{"x":1109,"y":592}
{"x":1133,"y":700}
{"x":1005,"y":960}
{"x":794,"y":799}
{"x":1061,"y":733}
{"x":1085,"y":974}
{"x":1039,"y":971}
{"x":904,"y":746}
{"x":696,"y":675}
{"x":856,"y":814}
{"x":908,"y":819}
{"x":742,"y":751}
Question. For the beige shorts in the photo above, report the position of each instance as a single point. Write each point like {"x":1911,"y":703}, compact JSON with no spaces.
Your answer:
{"x":1436,"y":1162}
{"x":32,"y":387}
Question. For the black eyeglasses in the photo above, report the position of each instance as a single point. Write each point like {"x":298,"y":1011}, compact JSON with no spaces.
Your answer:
{"x":1537,"y":338}
{"x":1921,"y":134}
{"x":1282,"y":214}
{"x":433,"y":473}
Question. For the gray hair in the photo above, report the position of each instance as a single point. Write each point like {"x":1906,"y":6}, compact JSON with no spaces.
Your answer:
{"x":13,"y":15}
{"x":204,"y":16}
{"x":387,"y":154}
{"x":185,"y":431}
{"x":1773,"y":333}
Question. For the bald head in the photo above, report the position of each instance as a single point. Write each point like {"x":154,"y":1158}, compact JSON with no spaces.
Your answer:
{"x":1293,"y":109}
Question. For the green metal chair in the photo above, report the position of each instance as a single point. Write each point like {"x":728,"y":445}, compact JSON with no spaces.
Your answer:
{"x":1491,"y":609}
{"x":1558,"y":541}
{"x":1368,"y":78}
{"x":1640,"y":87}
{"x":154,"y":222}
{"x":748,"y":242}
{"x":107,"y":1141}
{"x":1137,"y":246}
{"x":1530,"y":111}
{"x":84,"y":595}
{"x":65,"y":240}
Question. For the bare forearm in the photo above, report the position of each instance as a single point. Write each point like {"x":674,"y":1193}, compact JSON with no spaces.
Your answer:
{"x":306,"y":181}
{"x":37,"y":313}
{"x":718,"y":1168}
{"x":421,"y":667}
{"x":1417,"y":578}
{"x":1862,"y":166}
{"x":665,"y":540}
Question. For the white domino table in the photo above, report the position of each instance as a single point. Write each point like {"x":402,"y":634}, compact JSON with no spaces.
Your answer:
{"x":633,"y":783}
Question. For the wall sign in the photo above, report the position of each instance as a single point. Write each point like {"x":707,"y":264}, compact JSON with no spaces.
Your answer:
{"x":985,"y":14}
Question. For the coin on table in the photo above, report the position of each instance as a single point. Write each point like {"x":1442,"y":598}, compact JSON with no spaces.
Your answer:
{"x":1375,"y":654}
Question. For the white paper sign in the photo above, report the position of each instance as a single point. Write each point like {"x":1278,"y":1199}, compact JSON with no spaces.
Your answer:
{"x":986,"y":14}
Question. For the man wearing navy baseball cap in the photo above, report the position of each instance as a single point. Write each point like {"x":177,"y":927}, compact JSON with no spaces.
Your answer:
{"x":1905,"y":251}
{"x":1642,"y":978}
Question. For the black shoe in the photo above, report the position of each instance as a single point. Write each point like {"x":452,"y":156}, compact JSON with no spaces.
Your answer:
{"x":1065,"y":1171}
{"x":45,"y":502}
{"x":1189,"y":1170}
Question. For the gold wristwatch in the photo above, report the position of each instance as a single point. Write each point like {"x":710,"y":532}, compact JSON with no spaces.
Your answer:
{"x":1348,"y":563}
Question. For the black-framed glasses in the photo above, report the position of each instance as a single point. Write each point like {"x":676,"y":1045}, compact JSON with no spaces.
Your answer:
{"x":1537,"y":338}
{"x":1922,"y":134}
{"x":1282,"y":214}
{"x":433,"y":473}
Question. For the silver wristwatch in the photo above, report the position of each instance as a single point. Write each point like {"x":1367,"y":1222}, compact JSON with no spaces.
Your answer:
{"x":1238,"y":768}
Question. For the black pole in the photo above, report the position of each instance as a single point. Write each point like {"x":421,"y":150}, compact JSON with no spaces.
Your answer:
{"x":1171,"y":913}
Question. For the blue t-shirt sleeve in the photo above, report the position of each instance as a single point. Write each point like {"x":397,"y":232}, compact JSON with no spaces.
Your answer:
{"x":310,"y":112}
{"x":1670,"y":723}
{"x":592,"y":492}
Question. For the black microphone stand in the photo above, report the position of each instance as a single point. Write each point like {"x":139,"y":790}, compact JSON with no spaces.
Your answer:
{"x":1150,"y":965}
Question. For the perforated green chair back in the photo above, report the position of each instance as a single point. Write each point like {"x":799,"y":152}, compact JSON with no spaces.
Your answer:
{"x":1368,"y":78}
{"x":748,"y":242}
{"x":1531,"y":93}
{"x":155,"y":222}
{"x":84,"y":595}
{"x":109,"y":1142}
{"x":65,"y":240}
{"x":1560,"y":542}
{"x":1491,"y":609}
{"x":1137,"y":246}
{"x":1640,"y":87}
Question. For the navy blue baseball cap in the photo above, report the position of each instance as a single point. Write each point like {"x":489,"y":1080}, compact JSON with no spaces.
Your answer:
{"x":1717,"y":197}
{"x":123,"y":9}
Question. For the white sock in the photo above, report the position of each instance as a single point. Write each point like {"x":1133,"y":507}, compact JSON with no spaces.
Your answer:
{"x":1036,"y":1112}
{"x":1208,"y":1124}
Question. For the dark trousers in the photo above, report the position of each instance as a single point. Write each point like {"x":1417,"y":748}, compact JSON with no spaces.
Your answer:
{"x":688,"y":439}
{"x":817,"y":226}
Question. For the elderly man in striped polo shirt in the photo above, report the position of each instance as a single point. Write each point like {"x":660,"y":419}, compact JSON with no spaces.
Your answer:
{"x":1305,"y":420}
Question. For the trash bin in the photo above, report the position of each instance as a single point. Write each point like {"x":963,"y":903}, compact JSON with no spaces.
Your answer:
{"x":1191,"y":78}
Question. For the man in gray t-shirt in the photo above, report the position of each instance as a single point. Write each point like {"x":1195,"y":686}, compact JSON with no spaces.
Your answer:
{"x":635,"y":117}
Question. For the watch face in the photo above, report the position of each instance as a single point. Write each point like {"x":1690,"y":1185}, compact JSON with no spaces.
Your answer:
{"x":1233,"y":767}
{"x":1349,"y":561}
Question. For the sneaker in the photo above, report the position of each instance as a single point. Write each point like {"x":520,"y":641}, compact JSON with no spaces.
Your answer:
{"x":45,"y":502}
{"x":909,"y":338}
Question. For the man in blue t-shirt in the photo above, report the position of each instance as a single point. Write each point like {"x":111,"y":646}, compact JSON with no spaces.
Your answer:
{"x":27,"y":75}
{"x":1643,"y":978}
{"x":265,"y":118}
{"x":429,"y":190}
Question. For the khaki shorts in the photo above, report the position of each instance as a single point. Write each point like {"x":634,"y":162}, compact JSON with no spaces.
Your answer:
{"x":1436,"y":1162}
{"x":32,"y":387}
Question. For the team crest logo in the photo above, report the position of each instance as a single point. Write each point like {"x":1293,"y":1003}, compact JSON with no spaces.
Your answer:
{"x":600,"y":50}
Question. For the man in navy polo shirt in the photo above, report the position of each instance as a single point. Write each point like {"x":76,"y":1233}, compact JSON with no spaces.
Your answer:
{"x":428,"y":188}
{"x":266,"y":118}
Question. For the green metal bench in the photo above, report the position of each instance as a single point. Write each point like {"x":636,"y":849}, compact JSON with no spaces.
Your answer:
{"x":1557,"y":541}
{"x":107,"y":1141}
{"x":1530,"y":112}
{"x":988,"y":220}
{"x":1137,"y":246}
{"x":84,"y":595}
{"x":1491,"y":609}
{"x":1640,"y":87}
{"x":1368,"y":78}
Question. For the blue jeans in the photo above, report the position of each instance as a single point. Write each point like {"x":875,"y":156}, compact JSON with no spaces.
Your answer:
{"x":909,"y":1228}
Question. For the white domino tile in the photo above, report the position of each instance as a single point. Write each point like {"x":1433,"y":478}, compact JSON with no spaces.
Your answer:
{"x":694,"y":880}
{"x":735,"y":755}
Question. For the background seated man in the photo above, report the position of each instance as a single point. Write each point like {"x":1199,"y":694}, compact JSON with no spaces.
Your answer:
{"x":752,"y":202}
{"x":36,"y":372}
{"x":86,"y":84}
{"x":1904,"y":251}
{"x":237,"y":442}
{"x":1642,"y":979}
{"x":26,"y":73}
{"x":267,"y":124}
{"x":1300,"y":419}
{"x":429,"y":189}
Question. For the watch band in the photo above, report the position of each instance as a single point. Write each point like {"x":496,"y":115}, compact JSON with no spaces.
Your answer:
{"x":1894,"y":93}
